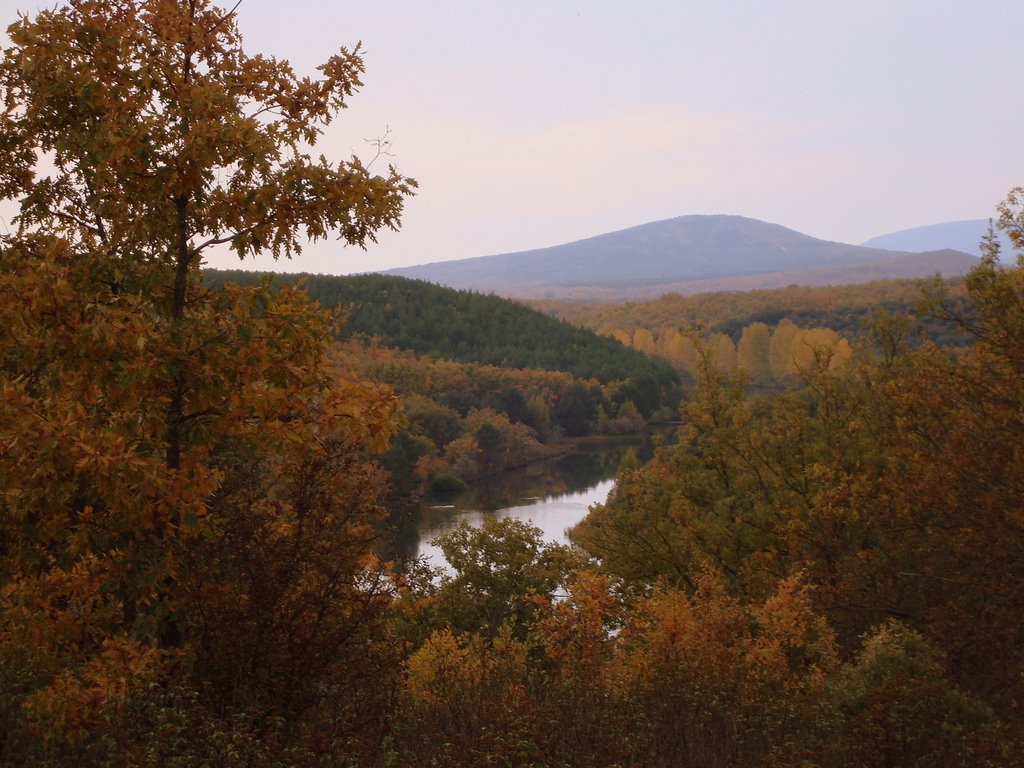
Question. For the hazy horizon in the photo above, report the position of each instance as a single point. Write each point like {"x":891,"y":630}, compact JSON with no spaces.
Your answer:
{"x":537,"y":124}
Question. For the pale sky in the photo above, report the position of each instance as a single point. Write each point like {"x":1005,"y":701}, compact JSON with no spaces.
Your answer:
{"x":529,"y":124}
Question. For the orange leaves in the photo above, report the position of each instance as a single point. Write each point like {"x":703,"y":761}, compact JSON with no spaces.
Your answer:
{"x":576,"y":631}
{"x":179,"y":469}
{"x":794,"y":647}
{"x":673,"y":634}
{"x":71,"y":705}
{"x":170,"y":109}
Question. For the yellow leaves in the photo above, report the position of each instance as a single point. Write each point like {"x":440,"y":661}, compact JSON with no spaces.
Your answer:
{"x":704,"y":663}
{"x":449,"y":670}
{"x":670,"y":634}
{"x":440,"y":667}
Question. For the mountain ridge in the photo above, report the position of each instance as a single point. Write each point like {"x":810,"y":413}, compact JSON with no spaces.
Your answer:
{"x":964,"y":235}
{"x":683,"y":254}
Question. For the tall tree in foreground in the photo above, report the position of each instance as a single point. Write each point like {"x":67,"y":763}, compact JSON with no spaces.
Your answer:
{"x":184,"y":486}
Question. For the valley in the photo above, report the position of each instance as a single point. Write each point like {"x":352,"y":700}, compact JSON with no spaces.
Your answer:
{"x":706,"y":491}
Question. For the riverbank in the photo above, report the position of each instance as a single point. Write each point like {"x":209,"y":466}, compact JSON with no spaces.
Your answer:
{"x":554,"y":493}
{"x":565,"y":446}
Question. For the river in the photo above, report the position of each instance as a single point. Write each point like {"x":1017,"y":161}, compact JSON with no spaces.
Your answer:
{"x":553,"y":495}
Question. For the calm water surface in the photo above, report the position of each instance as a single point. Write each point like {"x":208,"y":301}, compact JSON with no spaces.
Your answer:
{"x":553,"y":495}
{"x":554,"y":515}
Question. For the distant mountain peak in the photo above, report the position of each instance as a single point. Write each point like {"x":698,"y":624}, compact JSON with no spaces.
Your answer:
{"x":670,"y":254}
{"x":964,"y":235}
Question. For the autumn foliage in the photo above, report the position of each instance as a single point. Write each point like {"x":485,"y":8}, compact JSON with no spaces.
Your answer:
{"x":187,"y":499}
{"x":190,"y":503}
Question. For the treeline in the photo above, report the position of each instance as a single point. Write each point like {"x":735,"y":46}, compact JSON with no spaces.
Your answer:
{"x":844,"y":308}
{"x":770,"y":357}
{"x":465,"y":326}
{"x":485,"y":383}
{"x":738,"y":326}
{"x":466,"y":421}
{"x":525,"y":655}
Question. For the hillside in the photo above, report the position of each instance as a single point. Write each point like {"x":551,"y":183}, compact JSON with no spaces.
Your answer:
{"x":688,"y":254}
{"x":466,"y":327}
{"x":842,"y":308}
{"x":770,"y":333}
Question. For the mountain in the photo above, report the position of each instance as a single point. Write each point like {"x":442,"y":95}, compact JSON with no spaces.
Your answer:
{"x":687,"y":254}
{"x":959,"y":235}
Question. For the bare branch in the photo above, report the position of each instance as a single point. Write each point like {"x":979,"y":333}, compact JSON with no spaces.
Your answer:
{"x":382,"y":145}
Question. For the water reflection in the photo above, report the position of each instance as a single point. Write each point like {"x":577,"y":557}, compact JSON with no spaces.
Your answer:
{"x":553,"y":495}
{"x":554,"y":515}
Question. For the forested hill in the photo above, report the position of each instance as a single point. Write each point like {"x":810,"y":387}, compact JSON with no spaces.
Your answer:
{"x":466,"y":326}
{"x":845,"y":309}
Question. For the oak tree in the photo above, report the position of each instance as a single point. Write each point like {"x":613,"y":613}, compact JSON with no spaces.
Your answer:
{"x":178,"y":466}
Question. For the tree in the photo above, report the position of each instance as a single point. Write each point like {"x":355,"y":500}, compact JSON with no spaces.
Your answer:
{"x":576,"y":410}
{"x":753,"y":350}
{"x":512,"y":403}
{"x":722,"y":350}
{"x":503,"y":575}
{"x":780,"y":350}
{"x":643,"y":340}
{"x":897,"y":707}
{"x":817,"y":348}
{"x":491,"y":443}
{"x":177,"y":463}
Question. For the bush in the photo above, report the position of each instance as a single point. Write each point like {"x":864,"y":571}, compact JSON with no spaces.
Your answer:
{"x":447,"y":483}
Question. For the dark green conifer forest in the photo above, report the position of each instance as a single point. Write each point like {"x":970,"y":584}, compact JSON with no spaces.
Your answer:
{"x":467,"y":327}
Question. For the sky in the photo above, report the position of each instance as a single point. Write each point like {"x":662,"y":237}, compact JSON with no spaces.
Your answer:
{"x":529,"y":124}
